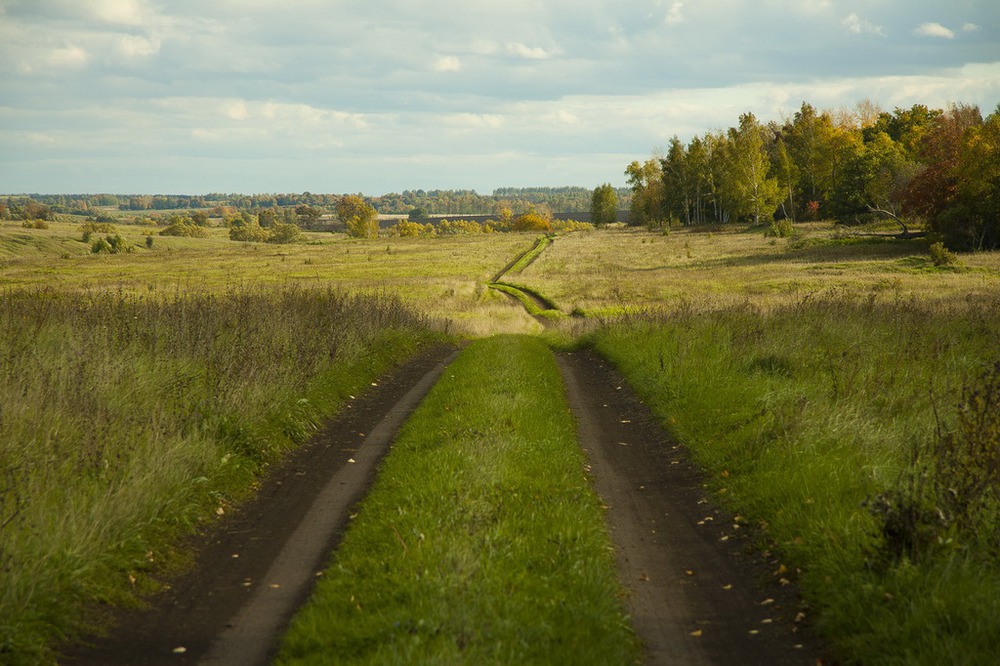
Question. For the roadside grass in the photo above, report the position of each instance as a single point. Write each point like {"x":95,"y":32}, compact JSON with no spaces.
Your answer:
{"x":482,"y":541}
{"x":799,"y":414}
{"x":127,"y":420}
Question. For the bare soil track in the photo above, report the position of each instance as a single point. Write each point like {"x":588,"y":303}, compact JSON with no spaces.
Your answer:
{"x":697,"y":593}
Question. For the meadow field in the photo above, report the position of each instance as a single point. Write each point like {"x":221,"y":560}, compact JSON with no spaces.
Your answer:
{"x":838,"y":388}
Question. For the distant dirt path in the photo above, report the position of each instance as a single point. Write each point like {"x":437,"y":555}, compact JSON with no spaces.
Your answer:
{"x":697,"y":592}
{"x":256,"y":566}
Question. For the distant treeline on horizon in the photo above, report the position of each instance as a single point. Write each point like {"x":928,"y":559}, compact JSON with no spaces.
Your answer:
{"x":434,"y":202}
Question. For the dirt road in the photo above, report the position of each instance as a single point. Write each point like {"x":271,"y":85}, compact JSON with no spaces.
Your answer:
{"x":696,"y":593}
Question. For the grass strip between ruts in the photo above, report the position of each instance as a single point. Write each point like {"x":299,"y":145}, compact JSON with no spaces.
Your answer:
{"x":482,"y":540}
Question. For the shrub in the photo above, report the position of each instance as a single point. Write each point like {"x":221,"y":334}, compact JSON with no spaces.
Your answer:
{"x":35,"y":224}
{"x":184,"y":227}
{"x":409,"y":228}
{"x":780,"y":229}
{"x":96,"y":227}
{"x":454,"y":227}
{"x":250,"y":233}
{"x":284,"y":233}
{"x":571,"y":225}
{"x":110,"y":245}
{"x":531,"y":221}
{"x":942,"y":256}
{"x":100,"y":246}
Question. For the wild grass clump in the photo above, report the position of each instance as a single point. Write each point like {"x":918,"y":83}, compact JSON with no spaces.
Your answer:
{"x":126,"y":420}
{"x":949,"y":497}
{"x":482,"y":541}
{"x":806,"y":419}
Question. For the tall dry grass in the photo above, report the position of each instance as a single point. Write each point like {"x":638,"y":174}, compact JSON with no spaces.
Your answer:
{"x":127,"y":419}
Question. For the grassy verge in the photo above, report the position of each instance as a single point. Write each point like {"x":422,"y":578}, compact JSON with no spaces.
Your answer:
{"x":800,"y":415}
{"x":125,"y":420}
{"x":482,"y":541}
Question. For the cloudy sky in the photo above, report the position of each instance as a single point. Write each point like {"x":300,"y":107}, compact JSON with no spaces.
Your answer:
{"x":375,"y":96}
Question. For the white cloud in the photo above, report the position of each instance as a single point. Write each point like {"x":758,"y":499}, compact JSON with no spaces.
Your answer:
{"x":527,"y":52}
{"x":134,"y":45}
{"x":858,"y":26}
{"x":970,"y":27}
{"x":70,"y":56}
{"x":675,"y":15}
{"x":447,"y":64}
{"x":126,"y":12}
{"x":934,"y":30}
{"x":236,"y":110}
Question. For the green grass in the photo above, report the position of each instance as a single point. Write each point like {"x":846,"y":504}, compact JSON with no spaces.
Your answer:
{"x":482,"y":541}
{"x":127,"y":420}
{"x":799,"y":415}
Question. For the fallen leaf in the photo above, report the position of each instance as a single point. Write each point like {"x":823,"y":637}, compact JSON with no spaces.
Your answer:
{"x":696,"y":633}
{"x":180,"y":650}
{"x":351,"y":460}
{"x":689,"y":572}
{"x":767,"y":602}
{"x":727,"y":587}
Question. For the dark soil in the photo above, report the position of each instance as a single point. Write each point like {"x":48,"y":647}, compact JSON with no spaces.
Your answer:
{"x":697,"y":590}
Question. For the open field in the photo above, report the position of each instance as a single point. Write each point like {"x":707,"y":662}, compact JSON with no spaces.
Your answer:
{"x":804,"y":374}
{"x":608,"y":273}
{"x":445,"y":278}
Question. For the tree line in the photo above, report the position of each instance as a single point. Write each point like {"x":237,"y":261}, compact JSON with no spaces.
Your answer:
{"x":428,"y":202}
{"x":940,"y":167}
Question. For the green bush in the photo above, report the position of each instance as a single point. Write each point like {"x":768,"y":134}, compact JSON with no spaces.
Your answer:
{"x":284,"y":233}
{"x":250,"y":233}
{"x":100,"y":246}
{"x":780,"y":229}
{"x":942,"y":256}
{"x":184,"y":227}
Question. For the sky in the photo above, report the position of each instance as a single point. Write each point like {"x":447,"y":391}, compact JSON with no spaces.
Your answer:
{"x":378,"y":96}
